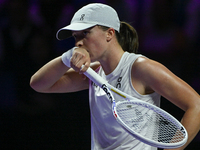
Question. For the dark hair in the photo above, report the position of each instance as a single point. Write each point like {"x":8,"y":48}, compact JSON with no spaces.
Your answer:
{"x":127,"y":37}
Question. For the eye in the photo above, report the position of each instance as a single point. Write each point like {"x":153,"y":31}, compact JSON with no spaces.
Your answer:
{"x":74,"y":35}
{"x":85,"y":32}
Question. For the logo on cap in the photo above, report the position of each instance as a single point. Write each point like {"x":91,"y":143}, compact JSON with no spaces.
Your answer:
{"x":82,"y":17}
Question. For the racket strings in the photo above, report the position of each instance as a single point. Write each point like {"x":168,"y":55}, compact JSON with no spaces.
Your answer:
{"x":170,"y":132}
{"x":149,"y":123}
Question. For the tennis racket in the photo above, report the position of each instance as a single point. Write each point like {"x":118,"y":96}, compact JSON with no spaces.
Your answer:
{"x":146,"y":122}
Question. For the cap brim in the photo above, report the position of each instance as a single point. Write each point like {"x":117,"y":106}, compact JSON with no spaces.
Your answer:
{"x":65,"y":32}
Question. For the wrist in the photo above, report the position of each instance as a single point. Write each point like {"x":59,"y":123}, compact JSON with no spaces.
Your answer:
{"x":66,"y":57}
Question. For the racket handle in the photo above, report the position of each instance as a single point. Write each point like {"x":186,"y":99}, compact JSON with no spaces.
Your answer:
{"x":98,"y":80}
{"x":92,"y":75}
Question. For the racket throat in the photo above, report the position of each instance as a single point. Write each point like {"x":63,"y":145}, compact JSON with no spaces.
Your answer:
{"x":114,"y":112}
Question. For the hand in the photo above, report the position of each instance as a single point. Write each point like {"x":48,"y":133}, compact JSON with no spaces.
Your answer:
{"x":80,"y":57}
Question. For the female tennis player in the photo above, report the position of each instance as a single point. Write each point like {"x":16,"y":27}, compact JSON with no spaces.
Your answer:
{"x":111,"y":46}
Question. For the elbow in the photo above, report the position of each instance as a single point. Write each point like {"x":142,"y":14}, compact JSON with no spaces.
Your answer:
{"x":33,"y":84}
{"x":36,"y":85}
{"x":195,"y":107}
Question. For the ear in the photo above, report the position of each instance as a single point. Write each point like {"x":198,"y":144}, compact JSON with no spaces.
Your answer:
{"x":110,"y":34}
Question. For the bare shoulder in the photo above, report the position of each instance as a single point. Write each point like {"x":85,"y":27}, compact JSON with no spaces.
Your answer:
{"x":150,"y":74}
{"x":144,"y":67}
{"x":157,"y":77}
{"x":153,"y":73}
{"x":145,"y":73}
{"x":143,"y":64}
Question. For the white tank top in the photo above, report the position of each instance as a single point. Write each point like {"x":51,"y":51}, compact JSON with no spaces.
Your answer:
{"x":106,"y":133}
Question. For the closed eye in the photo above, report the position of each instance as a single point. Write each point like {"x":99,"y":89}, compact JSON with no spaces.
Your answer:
{"x":85,"y":33}
{"x":77,"y":36}
{"x":81,"y":34}
{"x":74,"y":36}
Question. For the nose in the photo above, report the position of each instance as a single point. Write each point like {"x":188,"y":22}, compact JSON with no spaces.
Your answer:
{"x":79,"y":43}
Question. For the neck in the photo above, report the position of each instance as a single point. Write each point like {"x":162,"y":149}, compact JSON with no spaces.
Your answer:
{"x":112,"y":60}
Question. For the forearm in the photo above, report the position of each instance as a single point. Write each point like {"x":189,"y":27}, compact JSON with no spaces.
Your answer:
{"x":48,"y":75}
{"x":191,"y":122}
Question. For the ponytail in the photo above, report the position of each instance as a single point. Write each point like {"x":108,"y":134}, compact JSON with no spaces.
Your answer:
{"x":128,"y":38}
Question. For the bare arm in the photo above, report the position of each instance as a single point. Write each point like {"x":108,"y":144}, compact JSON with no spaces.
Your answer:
{"x":158,"y":78}
{"x":55,"y":77}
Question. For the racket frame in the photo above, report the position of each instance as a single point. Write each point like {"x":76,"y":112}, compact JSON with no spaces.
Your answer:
{"x":98,"y":80}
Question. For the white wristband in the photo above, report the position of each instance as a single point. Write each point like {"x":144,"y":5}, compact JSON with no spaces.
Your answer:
{"x":66,"y":57}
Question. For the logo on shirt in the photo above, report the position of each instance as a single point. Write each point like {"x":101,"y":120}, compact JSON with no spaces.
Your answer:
{"x":118,"y":85}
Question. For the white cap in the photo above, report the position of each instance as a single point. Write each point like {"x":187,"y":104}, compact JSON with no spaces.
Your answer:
{"x":89,"y":16}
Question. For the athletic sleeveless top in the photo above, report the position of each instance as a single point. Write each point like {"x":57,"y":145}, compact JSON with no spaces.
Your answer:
{"x":106,"y":133}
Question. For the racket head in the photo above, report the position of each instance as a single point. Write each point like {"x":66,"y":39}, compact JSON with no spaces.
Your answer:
{"x":150,"y":124}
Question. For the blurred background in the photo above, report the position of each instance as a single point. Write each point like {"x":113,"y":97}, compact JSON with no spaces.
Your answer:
{"x":168,"y":32}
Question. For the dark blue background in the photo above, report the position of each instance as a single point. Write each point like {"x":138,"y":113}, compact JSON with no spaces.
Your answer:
{"x":168,"y":32}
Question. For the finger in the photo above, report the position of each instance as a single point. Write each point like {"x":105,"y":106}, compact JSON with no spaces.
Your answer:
{"x":85,"y":67}
{"x":78,"y":66}
{"x":76,"y":62}
{"x":76,"y":58}
{"x":75,"y":68}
